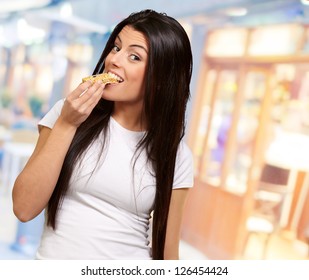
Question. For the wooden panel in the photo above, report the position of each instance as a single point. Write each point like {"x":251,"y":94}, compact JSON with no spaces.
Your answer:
{"x":212,"y":220}
{"x":198,"y":217}
{"x":297,"y":191}
{"x":303,"y":225}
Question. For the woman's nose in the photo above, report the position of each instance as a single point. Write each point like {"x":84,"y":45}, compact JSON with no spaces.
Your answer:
{"x":116,"y":58}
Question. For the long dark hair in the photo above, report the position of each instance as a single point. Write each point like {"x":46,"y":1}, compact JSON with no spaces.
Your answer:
{"x":168,"y":76}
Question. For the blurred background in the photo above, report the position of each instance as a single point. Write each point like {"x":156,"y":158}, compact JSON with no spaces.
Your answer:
{"x":247,"y":121}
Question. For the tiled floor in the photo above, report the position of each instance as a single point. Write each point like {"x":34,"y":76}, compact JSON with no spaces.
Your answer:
{"x":281,"y":247}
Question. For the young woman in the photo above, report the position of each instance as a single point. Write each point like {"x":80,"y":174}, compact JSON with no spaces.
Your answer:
{"x":110,"y":155}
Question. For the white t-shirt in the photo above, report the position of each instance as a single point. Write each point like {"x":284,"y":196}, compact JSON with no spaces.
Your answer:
{"x":106,"y":215}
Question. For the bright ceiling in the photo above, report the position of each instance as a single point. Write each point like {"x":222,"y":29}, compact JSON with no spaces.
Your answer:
{"x":30,"y":21}
{"x":100,"y":15}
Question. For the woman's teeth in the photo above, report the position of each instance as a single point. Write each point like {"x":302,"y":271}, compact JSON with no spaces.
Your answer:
{"x":115,"y":77}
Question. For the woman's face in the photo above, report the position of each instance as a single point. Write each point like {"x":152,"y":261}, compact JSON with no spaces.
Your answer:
{"x":127,"y":60}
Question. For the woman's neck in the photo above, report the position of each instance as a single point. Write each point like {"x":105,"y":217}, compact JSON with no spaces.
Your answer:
{"x":130,"y":117}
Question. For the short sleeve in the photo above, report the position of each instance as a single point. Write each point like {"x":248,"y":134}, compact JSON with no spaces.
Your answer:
{"x":184,"y":171}
{"x":52,"y":115}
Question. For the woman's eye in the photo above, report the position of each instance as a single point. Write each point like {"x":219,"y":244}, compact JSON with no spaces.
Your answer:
{"x":134,"y":57}
{"x":116,"y":49}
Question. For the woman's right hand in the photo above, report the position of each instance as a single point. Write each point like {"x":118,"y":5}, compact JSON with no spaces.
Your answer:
{"x":80,"y":102}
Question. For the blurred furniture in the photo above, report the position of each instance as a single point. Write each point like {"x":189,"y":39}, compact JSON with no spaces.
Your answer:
{"x":306,"y":233}
{"x":290,"y":150}
{"x":5,"y":135}
{"x":15,"y":156}
{"x":24,"y":135}
{"x":16,"y":152}
{"x":269,"y":200}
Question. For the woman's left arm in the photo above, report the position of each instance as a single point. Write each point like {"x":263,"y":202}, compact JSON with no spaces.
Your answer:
{"x":172,"y":238}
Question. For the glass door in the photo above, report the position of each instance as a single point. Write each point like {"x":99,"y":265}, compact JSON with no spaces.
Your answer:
{"x":220,"y":123}
{"x":228,"y":125}
{"x":248,"y":122}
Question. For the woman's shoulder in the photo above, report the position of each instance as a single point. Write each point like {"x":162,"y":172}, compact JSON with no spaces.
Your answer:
{"x":184,"y":171}
{"x":184,"y":150}
{"x":184,"y":156}
{"x":52,"y":115}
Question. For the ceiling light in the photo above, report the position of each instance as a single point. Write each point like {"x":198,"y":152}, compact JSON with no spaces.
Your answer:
{"x":305,"y":2}
{"x":19,"y":5}
{"x":27,"y":33}
{"x":236,"y":12}
{"x":66,"y":10}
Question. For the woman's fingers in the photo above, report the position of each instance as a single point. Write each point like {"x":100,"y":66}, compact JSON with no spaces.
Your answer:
{"x":91,"y":97}
{"x":89,"y":93}
{"x":81,"y":101}
{"x":80,"y":90}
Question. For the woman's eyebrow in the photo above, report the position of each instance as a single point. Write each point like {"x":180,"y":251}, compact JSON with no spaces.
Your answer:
{"x":139,"y":46}
{"x":134,"y":45}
